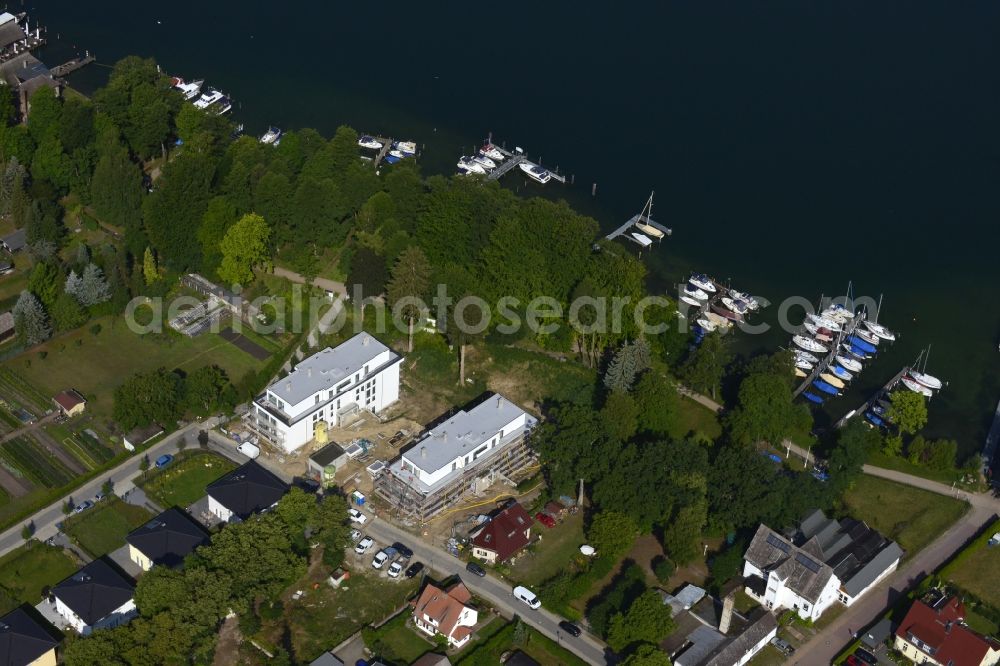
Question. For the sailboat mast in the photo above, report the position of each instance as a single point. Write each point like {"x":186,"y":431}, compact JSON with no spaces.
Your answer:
{"x":879,"y":309}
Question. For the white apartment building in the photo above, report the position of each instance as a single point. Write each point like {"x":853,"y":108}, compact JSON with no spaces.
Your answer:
{"x":328,"y":387}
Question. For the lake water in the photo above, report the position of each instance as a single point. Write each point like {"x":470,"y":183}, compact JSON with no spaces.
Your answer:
{"x":792,"y":146}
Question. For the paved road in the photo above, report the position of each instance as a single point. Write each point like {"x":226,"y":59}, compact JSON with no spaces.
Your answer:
{"x":492,"y":589}
{"x":45,"y":520}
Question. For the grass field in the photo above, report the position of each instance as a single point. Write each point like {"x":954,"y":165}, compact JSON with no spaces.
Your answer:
{"x":552,"y":554}
{"x":103,"y":528}
{"x":96,"y":364}
{"x":879,"y":459}
{"x":698,"y":419}
{"x":911,"y":516}
{"x":26,"y":570}
{"x":540,"y":648}
{"x":977,"y":568}
{"x":183,"y":482}
{"x":397,"y":641}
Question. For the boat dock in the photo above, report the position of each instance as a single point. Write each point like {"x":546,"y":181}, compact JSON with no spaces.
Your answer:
{"x":71,"y":66}
{"x":505,"y":166}
{"x":891,"y":384}
{"x":636,"y":219}
{"x":384,"y":150}
{"x":824,"y":363}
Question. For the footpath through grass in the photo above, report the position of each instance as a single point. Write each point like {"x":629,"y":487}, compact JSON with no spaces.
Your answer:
{"x":911,"y":516}
{"x":25,"y":571}
{"x":183,"y":482}
{"x":103,"y":528}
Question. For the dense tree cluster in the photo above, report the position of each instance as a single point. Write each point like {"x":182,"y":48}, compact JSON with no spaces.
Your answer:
{"x":163,"y":397}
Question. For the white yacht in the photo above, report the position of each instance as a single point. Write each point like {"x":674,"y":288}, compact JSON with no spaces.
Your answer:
{"x":470,"y":165}
{"x":484,"y":162}
{"x":208,"y":99}
{"x":702,"y":282}
{"x":535,"y":172}
{"x":406,"y":147}
{"x":272,"y":137}
{"x":189,"y":90}
{"x":224,"y":105}
{"x":369,"y":142}
{"x":490,"y":151}
{"x":695,"y":292}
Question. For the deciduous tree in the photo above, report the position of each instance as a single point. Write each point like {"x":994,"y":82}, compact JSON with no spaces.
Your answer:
{"x":648,"y":620}
{"x":408,"y":287}
{"x":908,"y":410}
{"x":245,"y":246}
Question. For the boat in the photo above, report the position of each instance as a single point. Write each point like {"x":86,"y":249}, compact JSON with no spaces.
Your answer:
{"x":929,"y":381}
{"x":841,"y":372}
{"x":735,"y":305}
{"x":369,"y":142}
{"x":916,"y":386}
{"x":470,"y":165}
{"x":879,"y":330}
{"x":809,"y":345}
{"x":189,"y":90}
{"x":849,"y":363}
{"x":702,"y":282}
{"x":695,"y":292}
{"x":803,"y":364}
{"x":841,"y":309}
{"x":812,"y":397}
{"x":867,"y":336}
{"x":535,"y":172}
{"x":825,"y":388}
{"x":832,"y":380}
{"x":805,"y":355}
{"x":690,"y":301}
{"x":855,"y":352}
{"x":484,"y":162}
{"x":272,"y":136}
{"x":817,"y":330}
{"x":706,"y":324}
{"x":720,"y":322}
{"x":224,"y":105}
{"x":800,"y":373}
{"x":408,"y":148}
{"x":862,"y":344}
{"x":491,"y":151}
{"x":208,"y":99}
{"x":745,"y":297}
{"x":825,"y":322}
{"x":874,"y":419}
{"x":399,"y":155}
{"x":649,"y":231}
{"x":644,"y":221}
{"x":392,"y":159}
{"x":727,"y":313}
{"x":644,"y":241}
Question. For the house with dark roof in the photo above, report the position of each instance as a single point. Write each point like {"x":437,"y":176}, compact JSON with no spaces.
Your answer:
{"x":24,"y":641}
{"x":934,"y":632}
{"x":445,"y":612}
{"x":711,"y":632}
{"x":7,"y":330}
{"x":15,"y":241}
{"x":165,"y":540}
{"x":504,"y":535}
{"x":246,"y":490}
{"x":97,"y":596}
{"x":69,"y":402}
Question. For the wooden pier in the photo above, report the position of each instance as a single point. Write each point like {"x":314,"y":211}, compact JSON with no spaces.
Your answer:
{"x":72,"y":65}
{"x":821,"y":367}
{"x":636,"y":219}
{"x":384,"y":150}
{"x":511,"y":160}
{"x":872,"y":400}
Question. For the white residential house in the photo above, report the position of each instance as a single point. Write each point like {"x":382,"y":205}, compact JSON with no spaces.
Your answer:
{"x":95,"y":597}
{"x":445,"y":613}
{"x":328,"y":387}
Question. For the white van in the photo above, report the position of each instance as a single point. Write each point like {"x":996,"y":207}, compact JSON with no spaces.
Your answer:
{"x":528,"y":597}
{"x":249,"y":450}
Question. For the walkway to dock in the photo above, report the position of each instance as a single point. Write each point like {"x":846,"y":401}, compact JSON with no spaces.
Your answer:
{"x":511,"y":160}
{"x":71,"y":66}
{"x":384,"y":150}
{"x":872,"y":400}
{"x":635,"y":219}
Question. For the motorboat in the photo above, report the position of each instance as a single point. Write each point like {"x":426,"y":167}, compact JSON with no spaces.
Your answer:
{"x":702,"y":282}
{"x":929,"y":381}
{"x":535,"y":172}
{"x":408,"y":148}
{"x":224,"y":105}
{"x":392,"y":159}
{"x":849,"y":363}
{"x":720,"y":322}
{"x":471,"y":165}
{"x":695,"y":292}
{"x":831,"y":380}
{"x":399,"y":155}
{"x":825,"y":322}
{"x":812,"y":397}
{"x":726,"y":312}
{"x":799,"y":372}
{"x":706,"y":324}
{"x":809,"y":345}
{"x":272,"y":137}
{"x":805,"y":355}
{"x":874,"y":419}
{"x":862,"y":344}
{"x":745,"y":297}
{"x":916,"y":386}
{"x":491,"y":151}
{"x":825,"y":388}
{"x":879,"y":330}
{"x":841,"y":372}
{"x":690,"y":301}
{"x":484,"y":162}
{"x":370,"y":142}
{"x":867,"y":336}
{"x":208,"y":99}
{"x":735,"y":305}
{"x":189,"y":90}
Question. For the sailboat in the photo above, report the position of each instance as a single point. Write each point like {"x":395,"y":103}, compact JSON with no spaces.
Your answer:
{"x":645,"y":218}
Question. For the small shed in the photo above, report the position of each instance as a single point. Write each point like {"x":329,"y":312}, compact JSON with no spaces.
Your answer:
{"x":70,"y":403}
{"x":323,"y":464}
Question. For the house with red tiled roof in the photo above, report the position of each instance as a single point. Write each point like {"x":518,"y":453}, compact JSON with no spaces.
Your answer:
{"x":70,"y":403}
{"x":503,"y":536}
{"x":446,"y":613}
{"x":935,"y":634}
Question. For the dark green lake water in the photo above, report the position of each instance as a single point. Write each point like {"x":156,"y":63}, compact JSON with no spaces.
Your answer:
{"x":793,"y":146}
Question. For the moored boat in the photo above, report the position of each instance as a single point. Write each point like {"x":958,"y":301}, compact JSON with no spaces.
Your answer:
{"x":702,"y":282}
{"x":271,"y":137}
{"x":879,"y":330}
{"x":369,"y":142}
{"x":832,"y":380}
{"x":825,"y":388}
{"x":726,"y":312}
{"x":825,"y":322}
{"x":408,"y":148}
{"x":484,"y":162}
{"x":469,"y":165}
{"x":809,"y":345}
{"x":695,"y":292}
{"x":803,"y":364}
{"x":736,"y":305}
{"x":720,"y":322}
{"x":929,"y":381}
{"x":916,"y":386}
{"x":644,"y":241}
{"x":805,"y":355}
{"x":208,"y":99}
{"x":851,"y":364}
{"x":535,"y":172}
{"x":812,"y":397}
{"x":874,"y":419}
{"x":690,"y":301}
{"x":841,"y":372}
{"x":862,"y":344}
{"x":867,"y":336}
{"x":800,"y":372}
{"x":706,"y":324}
{"x":491,"y":151}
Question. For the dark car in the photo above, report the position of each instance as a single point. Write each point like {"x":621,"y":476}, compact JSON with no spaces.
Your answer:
{"x":474,"y":568}
{"x":570,"y":628}
{"x":866,"y":656}
{"x":414,"y":569}
{"x":164,"y":460}
{"x":545,"y":519}
{"x":403,"y":550}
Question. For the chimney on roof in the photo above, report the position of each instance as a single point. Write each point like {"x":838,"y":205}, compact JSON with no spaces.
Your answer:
{"x":423,"y":451}
{"x":727,"y":612}
{"x":365,"y":340}
{"x":499,"y":401}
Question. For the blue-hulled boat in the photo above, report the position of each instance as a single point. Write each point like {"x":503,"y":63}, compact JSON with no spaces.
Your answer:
{"x":826,"y":388}
{"x":842,"y":373}
{"x":858,"y":342}
{"x":873,"y":419}
{"x":391,"y":159}
{"x":812,"y":397}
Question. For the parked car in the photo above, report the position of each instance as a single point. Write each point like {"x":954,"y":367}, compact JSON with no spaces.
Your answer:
{"x":98,"y":497}
{"x":414,"y":569}
{"x":474,"y":568}
{"x":402,"y":550}
{"x":395,"y":569}
{"x":866,"y":656}
{"x":783,"y":646}
{"x":164,"y":460}
{"x":357,"y":517}
{"x":570,"y":628}
{"x":364,"y":545}
{"x":545,"y":519}
{"x":522,"y":593}
{"x":380,"y":558}
{"x":355,"y":535}
{"x":853,"y":661}
{"x":83,"y":506}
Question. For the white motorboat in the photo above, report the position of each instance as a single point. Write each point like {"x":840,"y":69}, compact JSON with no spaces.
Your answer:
{"x":880,"y":331}
{"x":695,"y":292}
{"x":832,"y":380}
{"x":809,"y":345}
{"x":825,"y":322}
{"x":208,"y":99}
{"x":867,"y":336}
{"x":470,"y":165}
{"x":224,"y":105}
{"x":916,"y":386}
{"x":484,"y":162}
{"x":848,"y":363}
{"x":745,"y":297}
{"x":690,"y":301}
{"x":490,"y":151}
{"x":190,"y":90}
{"x":735,"y":305}
{"x":706,"y":324}
{"x":406,"y":147}
{"x":929,"y":381}
{"x":369,"y":142}
{"x":399,"y":155}
{"x":702,"y":282}
{"x":535,"y":172}
{"x":271,"y":137}
{"x":799,"y":354}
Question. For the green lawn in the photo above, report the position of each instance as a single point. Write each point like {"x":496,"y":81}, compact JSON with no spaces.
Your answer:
{"x":26,"y":570}
{"x":911,"y":516}
{"x":546,"y":558}
{"x":103,"y":528}
{"x":183,"y":482}
{"x":879,"y":459}
{"x":95,"y":365}
{"x":540,"y":648}
{"x":977,"y":568}
{"x":397,"y":640}
{"x":698,"y":419}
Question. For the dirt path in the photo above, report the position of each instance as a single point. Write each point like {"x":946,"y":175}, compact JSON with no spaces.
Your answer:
{"x":56,"y":449}
{"x":227,"y":648}
{"x":31,"y":427}
{"x":14,"y":486}
{"x":322,"y":283}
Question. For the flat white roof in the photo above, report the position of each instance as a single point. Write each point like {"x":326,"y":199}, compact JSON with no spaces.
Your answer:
{"x":6,"y":17}
{"x":324,"y":370}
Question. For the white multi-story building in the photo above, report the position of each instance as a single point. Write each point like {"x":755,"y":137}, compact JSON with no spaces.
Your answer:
{"x":327,"y":388}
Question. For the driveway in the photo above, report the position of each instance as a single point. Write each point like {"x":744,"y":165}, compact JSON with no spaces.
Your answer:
{"x":121,"y":558}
